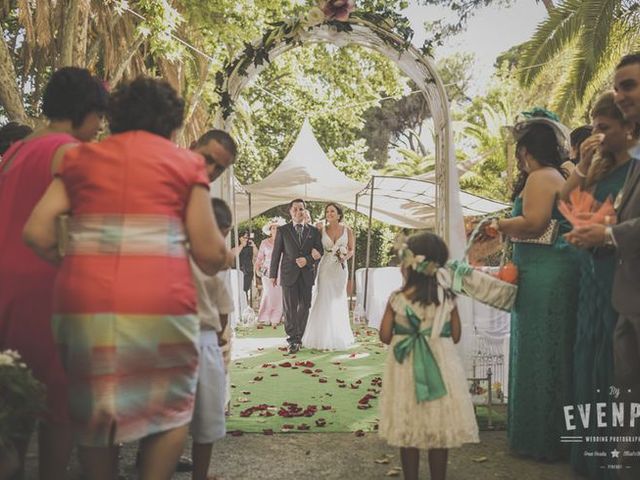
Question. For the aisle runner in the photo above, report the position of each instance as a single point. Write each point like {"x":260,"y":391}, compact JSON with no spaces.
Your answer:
{"x":275,"y":392}
{"x":311,"y":391}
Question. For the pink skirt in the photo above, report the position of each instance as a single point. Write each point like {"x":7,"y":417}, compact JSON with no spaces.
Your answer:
{"x":271,"y":303}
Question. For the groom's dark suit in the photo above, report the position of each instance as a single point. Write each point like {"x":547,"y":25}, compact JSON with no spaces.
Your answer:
{"x":296,"y":282}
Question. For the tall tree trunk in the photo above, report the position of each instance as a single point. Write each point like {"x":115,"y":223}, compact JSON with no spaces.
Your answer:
{"x":548,"y":4}
{"x":81,"y":34}
{"x":10,"y":96}
{"x":71,"y":17}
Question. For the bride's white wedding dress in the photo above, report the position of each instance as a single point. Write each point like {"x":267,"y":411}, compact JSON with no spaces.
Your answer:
{"x":328,"y":327}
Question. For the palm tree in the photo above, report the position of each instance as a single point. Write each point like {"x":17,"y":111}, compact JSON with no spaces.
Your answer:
{"x":585,"y":38}
{"x":413,"y":164}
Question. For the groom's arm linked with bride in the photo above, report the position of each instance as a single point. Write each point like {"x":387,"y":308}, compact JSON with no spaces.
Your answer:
{"x":293,"y":256}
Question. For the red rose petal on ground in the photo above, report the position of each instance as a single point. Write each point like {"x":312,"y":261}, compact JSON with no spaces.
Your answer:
{"x":246,"y":392}
{"x":321,"y":422}
{"x":342,"y":385}
{"x":318,"y":370}
{"x":322,"y":380}
{"x":303,"y":426}
{"x":288,"y":426}
{"x":285,"y":364}
{"x":236,"y":433}
{"x":315,"y":375}
{"x":274,"y":375}
{"x":339,"y":380}
{"x":327,"y":407}
{"x":364,"y":406}
{"x":307,"y":370}
{"x":267,"y":431}
{"x":258,"y":379}
{"x":359,"y":433}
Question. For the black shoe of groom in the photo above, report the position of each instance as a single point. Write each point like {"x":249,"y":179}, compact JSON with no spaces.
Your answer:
{"x":294,"y":348}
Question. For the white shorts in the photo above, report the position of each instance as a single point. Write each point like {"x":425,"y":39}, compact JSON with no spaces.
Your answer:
{"x":208,"y":424}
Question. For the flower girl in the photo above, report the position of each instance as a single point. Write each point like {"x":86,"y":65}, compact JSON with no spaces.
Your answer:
{"x":425,"y":401}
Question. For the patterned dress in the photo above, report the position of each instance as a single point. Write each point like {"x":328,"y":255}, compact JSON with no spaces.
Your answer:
{"x":26,"y":280}
{"x":124,"y":302}
{"x":446,"y":421}
{"x":593,"y":351}
{"x":543,"y":325}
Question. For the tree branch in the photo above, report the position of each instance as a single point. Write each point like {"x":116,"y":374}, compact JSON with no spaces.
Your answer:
{"x":10,"y":96}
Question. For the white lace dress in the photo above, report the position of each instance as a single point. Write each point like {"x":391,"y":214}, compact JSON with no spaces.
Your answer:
{"x":446,"y":422}
{"x":328,"y":327}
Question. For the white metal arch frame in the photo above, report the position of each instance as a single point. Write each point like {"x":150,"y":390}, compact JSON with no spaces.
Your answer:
{"x":414,"y":64}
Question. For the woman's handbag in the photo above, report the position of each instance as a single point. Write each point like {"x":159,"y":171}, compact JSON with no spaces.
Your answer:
{"x":479,"y":285}
{"x":548,"y":237}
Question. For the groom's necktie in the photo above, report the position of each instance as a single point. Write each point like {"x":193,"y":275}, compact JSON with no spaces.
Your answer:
{"x":299,"y":232}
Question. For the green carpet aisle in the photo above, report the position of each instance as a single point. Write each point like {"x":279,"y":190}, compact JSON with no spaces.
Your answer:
{"x":274,"y":392}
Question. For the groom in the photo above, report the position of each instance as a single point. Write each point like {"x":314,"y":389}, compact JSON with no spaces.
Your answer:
{"x":294,"y":244}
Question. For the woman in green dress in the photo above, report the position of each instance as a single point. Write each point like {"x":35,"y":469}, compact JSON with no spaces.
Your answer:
{"x":544,"y":316}
{"x":593,"y":356}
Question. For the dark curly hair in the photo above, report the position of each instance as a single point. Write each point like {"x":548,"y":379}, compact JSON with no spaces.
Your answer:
{"x":148,"y":104}
{"x":72,"y":93}
{"x":12,"y":132}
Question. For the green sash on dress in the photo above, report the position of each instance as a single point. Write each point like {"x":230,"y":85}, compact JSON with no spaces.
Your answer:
{"x":426,"y":373}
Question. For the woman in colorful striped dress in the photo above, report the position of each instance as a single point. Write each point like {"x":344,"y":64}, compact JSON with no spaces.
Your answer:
{"x":124,"y":303}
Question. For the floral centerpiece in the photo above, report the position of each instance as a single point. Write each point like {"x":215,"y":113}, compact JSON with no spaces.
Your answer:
{"x":22,"y":401}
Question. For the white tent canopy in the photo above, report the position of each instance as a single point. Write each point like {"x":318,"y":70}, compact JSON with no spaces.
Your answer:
{"x":306,"y":172}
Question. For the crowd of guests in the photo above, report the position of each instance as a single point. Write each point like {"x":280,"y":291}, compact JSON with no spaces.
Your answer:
{"x":127,"y":327}
{"x":576,"y":322}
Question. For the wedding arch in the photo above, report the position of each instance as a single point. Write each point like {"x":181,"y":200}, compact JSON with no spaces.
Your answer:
{"x":386,"y":34}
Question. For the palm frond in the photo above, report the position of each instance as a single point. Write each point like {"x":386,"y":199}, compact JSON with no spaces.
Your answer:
{"x":565,"y":98}
{"x":551,"y":37}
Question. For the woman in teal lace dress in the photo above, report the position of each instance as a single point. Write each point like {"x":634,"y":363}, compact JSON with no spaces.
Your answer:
{"x":593,"y":355}
{"x":544,"y":316}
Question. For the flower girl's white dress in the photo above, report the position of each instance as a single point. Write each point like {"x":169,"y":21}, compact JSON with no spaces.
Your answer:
{"x":446,"y":422}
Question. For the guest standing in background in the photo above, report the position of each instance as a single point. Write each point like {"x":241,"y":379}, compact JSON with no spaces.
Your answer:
{"x":73,"y":103}
{"x":124,"y":301}
{"x":271,"y":301}
{"x":248,"y":252}
{"x":544,"y":316}
{"x":593,"y":355}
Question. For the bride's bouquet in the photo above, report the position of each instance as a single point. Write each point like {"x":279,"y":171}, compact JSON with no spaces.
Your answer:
{"x":340,"y":253}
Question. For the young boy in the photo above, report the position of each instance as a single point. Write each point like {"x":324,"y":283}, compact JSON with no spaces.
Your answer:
{"x":214,"y":306}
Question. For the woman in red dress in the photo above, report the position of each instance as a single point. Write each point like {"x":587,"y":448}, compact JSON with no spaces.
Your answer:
{"x":73,"y":102}
{"x":124,"y":302}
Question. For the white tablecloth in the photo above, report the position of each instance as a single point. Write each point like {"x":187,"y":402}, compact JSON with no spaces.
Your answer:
{"x":239,"y":298}
{"x":382,"y":282}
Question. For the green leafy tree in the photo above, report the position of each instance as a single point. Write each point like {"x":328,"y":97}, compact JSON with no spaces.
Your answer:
{"x":589,"y":36}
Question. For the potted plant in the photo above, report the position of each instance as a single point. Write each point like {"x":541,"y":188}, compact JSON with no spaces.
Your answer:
{"x":22,"y":401}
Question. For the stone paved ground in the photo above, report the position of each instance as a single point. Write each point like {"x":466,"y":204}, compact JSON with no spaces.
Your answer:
{"x":337,"y":456}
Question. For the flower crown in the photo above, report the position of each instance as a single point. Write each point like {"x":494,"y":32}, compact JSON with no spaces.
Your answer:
{"x":419,"y":263}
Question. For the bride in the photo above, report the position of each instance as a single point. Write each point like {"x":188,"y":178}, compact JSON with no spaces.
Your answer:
{"x":328,"y":327}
